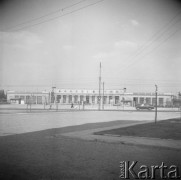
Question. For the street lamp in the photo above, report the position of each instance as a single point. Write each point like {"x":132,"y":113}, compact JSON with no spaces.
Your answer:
{"x":53,"y":94}
{"x":103,"y":96}
{"x":124,"y":90}
{"x":156,"y":102}
{"x":179,"y":100}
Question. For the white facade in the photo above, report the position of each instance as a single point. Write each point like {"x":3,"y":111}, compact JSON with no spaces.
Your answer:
{"x":76,"y":96}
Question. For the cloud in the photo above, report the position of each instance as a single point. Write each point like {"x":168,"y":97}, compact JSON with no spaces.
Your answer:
{"x":103,"y":55}
{"x":125,"y":44}
{"x":23,"y":39}
{"x":118,"y":49}
{"x":67,"y":47}
{"x":134,"y":22}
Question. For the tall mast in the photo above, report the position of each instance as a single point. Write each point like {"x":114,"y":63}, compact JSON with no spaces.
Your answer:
{"x":100,"y":87}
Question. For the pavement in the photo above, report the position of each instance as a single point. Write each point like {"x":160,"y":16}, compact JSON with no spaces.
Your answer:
{"x":18,"y":123}
{"x":130,"y":140}
{"x":40,"y":107}
{"x":30,"y":122}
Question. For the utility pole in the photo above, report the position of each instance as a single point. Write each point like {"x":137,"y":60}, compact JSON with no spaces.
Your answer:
{"x":124,"y":90}
{"x":156,"y":103}
{"x":103,"y":97}
{"x":179,"y":102}
{"x":100,"y":87}
{"x":52,"y":97}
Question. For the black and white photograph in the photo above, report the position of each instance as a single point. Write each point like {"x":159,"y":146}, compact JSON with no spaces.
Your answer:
{"x":90,"y":89}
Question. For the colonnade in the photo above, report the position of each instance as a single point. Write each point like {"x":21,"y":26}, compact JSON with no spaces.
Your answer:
{"x":113,"y":99}
{"x":89,"y":99}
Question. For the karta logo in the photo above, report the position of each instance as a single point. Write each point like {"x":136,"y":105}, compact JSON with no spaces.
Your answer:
{"x":127,"y":171}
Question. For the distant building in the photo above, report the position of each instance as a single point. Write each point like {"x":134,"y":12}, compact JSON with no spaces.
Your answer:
{"x":111,"y":97}
{"x":18,"y":97}
{"x":177,"y":100}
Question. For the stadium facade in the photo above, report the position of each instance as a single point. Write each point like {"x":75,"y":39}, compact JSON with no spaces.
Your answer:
{"x":79,"y":96}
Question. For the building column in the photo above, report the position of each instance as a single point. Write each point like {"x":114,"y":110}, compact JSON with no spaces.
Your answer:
{"x":72,"y":98}
{"x":105,"y":97}
{"x":67,"y":99}
{"x":96,"y":99}
{"x":78,"y":98}
{"x":139,"y":99}
{"x":36,"y":99}
{"x":107,"y":102}
{"x":84,"y":98}
{"x":61,"y":99}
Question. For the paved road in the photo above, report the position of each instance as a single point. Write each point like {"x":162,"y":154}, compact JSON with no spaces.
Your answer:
{"x":18,"y":123}
{"x":23,"y":107}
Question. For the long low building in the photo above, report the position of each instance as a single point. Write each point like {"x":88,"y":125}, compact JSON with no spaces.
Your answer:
{"x":68,"y":96}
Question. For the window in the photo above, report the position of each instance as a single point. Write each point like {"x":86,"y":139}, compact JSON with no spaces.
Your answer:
{"x":33,"y":98}
{"x":105,"y":99}
{"x":39,"y":99}
{"x":81,"y":98}
{"x":110,"y":99}
{"x":87,"y":99}
{"x":75,"y":99}
{"x":22,"y":97}
{"x":160,"y":101}
{"x":135,"y":100}
{"x":93,"y":99}
{"x":116,"y":99}
{"x":58,"y":98}
{"x":70,"y":98}
{"x":64,"y":98}
{"x":27,"y":99}
{"x":153,"y":101}
{"x":98,"y":99}
{"x":148,"y":100}
{"x":142,"y":99}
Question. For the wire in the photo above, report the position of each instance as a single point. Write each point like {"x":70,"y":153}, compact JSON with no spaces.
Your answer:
{"x":72,"y":5}
{"x":151,"y":50}
{"x":157,"y":35}
{"x":108,"y":83}
{"x":57,"y":17}
{"x":48,"y":14}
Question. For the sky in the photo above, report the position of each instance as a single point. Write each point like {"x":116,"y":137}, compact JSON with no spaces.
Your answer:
{"x":45,"y":43}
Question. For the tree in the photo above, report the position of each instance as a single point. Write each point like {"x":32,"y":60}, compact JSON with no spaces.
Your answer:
{"x":2,"y":95}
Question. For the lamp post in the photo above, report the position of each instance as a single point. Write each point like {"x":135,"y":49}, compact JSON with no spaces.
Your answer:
{"x":53,"y":93}
{"x":156,"y":103}
{"x":179,"y":99}
{"x":103,"y":97}
{"x":99,"y":108}
{"x":52,"y":97}
{"x":124,"y":90}
{"x":44,"y":101}
{"x":31,"y":101}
